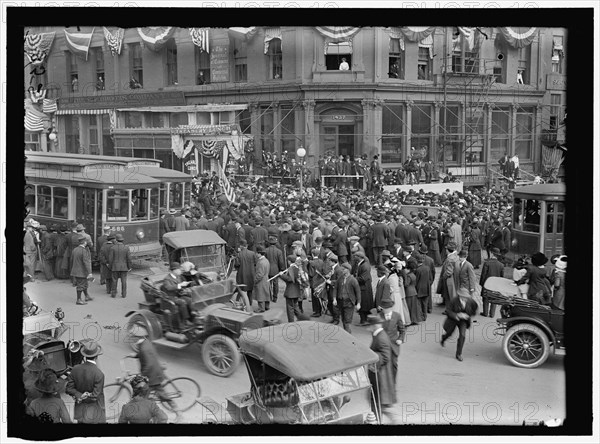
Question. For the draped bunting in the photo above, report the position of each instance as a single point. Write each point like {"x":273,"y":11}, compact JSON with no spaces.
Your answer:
{"x":211,"y":148}
{"x":518,"y":36}
{"x":155,"y":37}
{"x":468,"y":36}
{"x":34,"y":120}
{"x":270,"y":34}
{"x":417,"y":33}
{"x":336,"y":34}
{"x":49,"y":106}
{"x":79,"y":42}
{"x":395,"y":33}
{"x":243,"y":33}
{"x":114,"y":40}
{"x":427,"y":42}
{"x":200,"y":38}
{"x":37,"y":46}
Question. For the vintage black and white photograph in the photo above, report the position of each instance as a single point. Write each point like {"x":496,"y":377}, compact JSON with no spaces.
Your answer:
{"x":295,"y":225}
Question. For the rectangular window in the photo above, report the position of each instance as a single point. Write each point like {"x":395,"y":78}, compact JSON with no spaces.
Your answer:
{"x":73,"y":71}
{"x":240,"y":61}
{"x":176,"y":195}
{"x":60,"y":204}
{"x":424,"y":64}
{"x":287,"y":128}
{"x":153,"y":203}
{"x":275,"y":60}
{"x":396,"y":60}
{"x":266,"y":130}
{"x":167,"y":162}
{"x":500,"y":134}
{"x":171,"y":62}
{"x":339,"y":56}
{"x":154,"y":120}
{"x":135,"y":66}
{"x":474,"y":134}
{"x":72,"y":133}
{"x":518,"y":214}
{"x":99,"y":58}
{"x":139,"y":204}
{"x":421,"y":128}
{"x":392,"y":142}
{"x":133,"y":119}
{"x":117,"y":205}
{"x":532,"y":216}
{"x":30,"y":191}
{"x":32,"y":141}
{"x":464,"y":59}
{"x":93,"y":134}
{"x":523,"y":65}
{"x":450,"y":144}
{"x":524,"y":134}
{"x":44,"y":201}
{"x":555,"y":111}
{"x":177,"y":119}
{"x":202,"y":66}
{"x":557,"y":54}
{"x":498,"y":73}
{"x":245,"y":121}
{"x":108,"y":144}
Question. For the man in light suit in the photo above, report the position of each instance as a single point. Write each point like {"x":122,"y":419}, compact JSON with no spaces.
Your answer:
{"x":86,"y":384}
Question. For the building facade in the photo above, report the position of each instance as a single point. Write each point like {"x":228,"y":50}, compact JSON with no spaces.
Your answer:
{"x":464,"y":96}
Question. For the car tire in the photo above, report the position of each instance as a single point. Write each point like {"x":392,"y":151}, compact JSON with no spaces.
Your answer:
{"x":526,"y":346}
{"x":139,"y":319}
{"x":242,"y":297}
{"x":220,"y":355}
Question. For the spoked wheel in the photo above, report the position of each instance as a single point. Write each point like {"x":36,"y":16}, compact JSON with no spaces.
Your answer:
{"x":221,"y":355}
{"x":240,"y":297}
{"x":526,"y":345}
{"x":116,"y":396}
{"x":182,"y":394}
{"x":132,"y":328}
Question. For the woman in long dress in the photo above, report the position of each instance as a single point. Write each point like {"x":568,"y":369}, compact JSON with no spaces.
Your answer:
{"x":410,"y":289}
{"x":396,"y":281}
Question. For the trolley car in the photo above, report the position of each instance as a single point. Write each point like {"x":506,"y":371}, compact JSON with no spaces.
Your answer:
{"x":538,"y":219}
{"x":122,"y":192}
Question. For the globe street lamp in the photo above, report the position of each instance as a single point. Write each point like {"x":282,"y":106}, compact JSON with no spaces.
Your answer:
{"x":301,"y":152}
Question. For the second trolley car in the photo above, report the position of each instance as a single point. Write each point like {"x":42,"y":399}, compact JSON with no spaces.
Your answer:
{"x":122,"y":192}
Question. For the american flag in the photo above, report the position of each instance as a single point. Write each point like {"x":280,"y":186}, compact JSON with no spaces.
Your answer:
{"x":227,"y":188}
{"x":114,"y":40}
{"x":79,"y":42}
{"x":200,"y":38}
{"x":49,"y":106}
{"x":33,"y":121}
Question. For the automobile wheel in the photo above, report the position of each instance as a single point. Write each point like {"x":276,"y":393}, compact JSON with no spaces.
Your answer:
{"x":138,"y":320}
{"x":116,"y":395}
{"x":241,"y":298}
{"x":526,"y":346}
{"x":221,"y":355}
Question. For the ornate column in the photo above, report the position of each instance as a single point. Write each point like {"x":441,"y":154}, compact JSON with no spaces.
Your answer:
{"x":368,"y":136}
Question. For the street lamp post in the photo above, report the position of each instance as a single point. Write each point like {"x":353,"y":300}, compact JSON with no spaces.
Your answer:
{"x":301,"y":152}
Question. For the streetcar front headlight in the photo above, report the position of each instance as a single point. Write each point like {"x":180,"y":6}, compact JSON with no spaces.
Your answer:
{"x":140,"y":234}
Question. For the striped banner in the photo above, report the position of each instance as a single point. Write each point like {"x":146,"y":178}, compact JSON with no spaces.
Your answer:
{"x":227,"y":189}
{"x":417,"y":33}
{"x":37,"y":46}
{"x":79,"y":42}
{"x":155,"y":37}
{"x":518,"y":37}
{"x":200,"y":38}
{"x":34,"y":121}
{"x":114,"y":40}
{"x":336,"y":34}
{"x":62,"y":112}
{"x":49,"y":106}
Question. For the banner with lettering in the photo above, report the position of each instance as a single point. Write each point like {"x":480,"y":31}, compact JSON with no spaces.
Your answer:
{"x":155,"y":37}
{"x":518,"y":36}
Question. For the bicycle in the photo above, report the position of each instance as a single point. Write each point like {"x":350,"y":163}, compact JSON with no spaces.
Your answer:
{"x":183,"y":391}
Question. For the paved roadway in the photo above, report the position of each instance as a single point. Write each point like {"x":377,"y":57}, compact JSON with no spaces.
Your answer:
{"x":432,"y":387}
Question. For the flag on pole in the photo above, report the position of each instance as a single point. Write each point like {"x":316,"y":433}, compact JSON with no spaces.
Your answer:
{"x":155,"y":37}
{"x":114,"y":40}
{"x":227,"y":188}
{"x":79,"y":42}
{"x":200,"y":38}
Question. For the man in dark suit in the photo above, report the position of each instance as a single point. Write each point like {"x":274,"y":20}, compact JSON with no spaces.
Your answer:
{"x":447,"y":284}
{"x":119,"y":259}
{"x":361,"y":270}
{"x":316,"y":271}
{"x":383,"y":292}
{"x":171,"y":286}
{"x":246,"y":266}
{"x":384,"y":385}
{"x":380,"y":239}
{"x":340,"y":241}
{"x":429,"y":262}
{"x":276,"y":265}
{"x":86,"y":384}
{"x":491,"y":268}
{"x":81,"y":270}
{"x":396,"y":331}
{"x":347,"y":296}
{"x":401,"y":231}
{"x":333,"y":272}
{"x":459,"y":311}
{"x":423,"y":285}
{"x":414,"y":235}
{"x":100,"y":241}
{"x":104,"y":264}
{"x":258,"y":235}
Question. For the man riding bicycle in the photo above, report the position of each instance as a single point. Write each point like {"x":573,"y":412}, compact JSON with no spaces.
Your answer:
{"x":151,"y":367}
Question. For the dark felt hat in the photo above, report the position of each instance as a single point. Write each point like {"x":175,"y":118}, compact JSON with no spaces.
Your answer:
{"x":539,"y":259}
{"x":175,"y":265}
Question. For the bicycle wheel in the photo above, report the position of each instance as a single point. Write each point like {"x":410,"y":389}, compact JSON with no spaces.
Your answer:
{"x":184,"y":392}
{"x":116,"y":395}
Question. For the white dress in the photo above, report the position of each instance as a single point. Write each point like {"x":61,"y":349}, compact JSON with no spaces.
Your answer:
{"x":397,"y":288}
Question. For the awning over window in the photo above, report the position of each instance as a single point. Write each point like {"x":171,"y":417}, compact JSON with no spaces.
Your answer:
{"x":518,"y":36}
{"x":82,"y":111}
{"x":270,"y":34}
{"x":427,"y":42}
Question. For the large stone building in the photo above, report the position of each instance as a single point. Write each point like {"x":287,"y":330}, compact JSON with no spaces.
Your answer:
{"x":466,"y":96}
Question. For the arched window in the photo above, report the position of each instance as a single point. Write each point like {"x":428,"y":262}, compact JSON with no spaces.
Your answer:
{"x":275,"y":60}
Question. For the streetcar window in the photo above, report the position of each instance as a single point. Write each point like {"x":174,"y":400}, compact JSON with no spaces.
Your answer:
{"x":44,"y":200}
{"x":532,"y":216}
{"x":162,"y":198}
{"x":139,"y":204}
{"x":559,"y":222}
{"x":30,"y":198}
{"x":518,"y":214}
{"x":153,"y":203}
{"x":61,"y":202}
{"x":176,"y":195}
{"x":187,"y":195}
{"x":117,"y":204}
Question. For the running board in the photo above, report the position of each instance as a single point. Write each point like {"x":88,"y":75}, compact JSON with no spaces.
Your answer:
{"x":560,"y":352}
{"x":170,"y":344}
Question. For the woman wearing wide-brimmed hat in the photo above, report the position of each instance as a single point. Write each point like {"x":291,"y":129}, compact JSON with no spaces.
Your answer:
{"x":50,"y":407}
{"x":538,"y":279}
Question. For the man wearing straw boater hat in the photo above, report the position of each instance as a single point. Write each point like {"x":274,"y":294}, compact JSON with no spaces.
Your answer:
{"x":86,"y":385}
